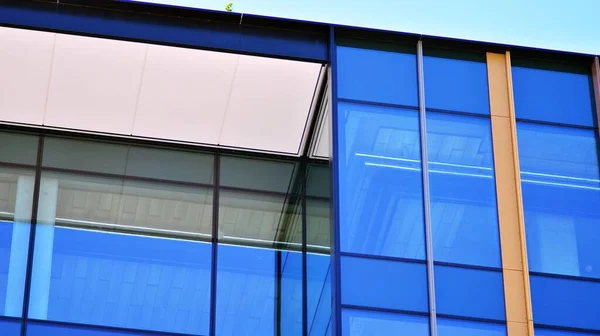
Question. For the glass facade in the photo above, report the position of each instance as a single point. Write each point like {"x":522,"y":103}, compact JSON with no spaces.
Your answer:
{"x":132,"y":239}
{"x":560,"y":176}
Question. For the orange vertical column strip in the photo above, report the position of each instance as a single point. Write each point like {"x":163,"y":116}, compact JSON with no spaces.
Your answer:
{"x":515,"y":271}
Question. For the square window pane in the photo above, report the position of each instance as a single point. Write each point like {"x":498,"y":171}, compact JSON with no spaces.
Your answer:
{"x":449,"y":327}
{"x":560,"y":179}
{"x":565,"y":302}
{"x":380,"y":186}
{"x":375,"y":283}
{"x":456,"y":81}
{"x":549,"y":92}
{"x":385,"y":75}
{"x":469,"y":292}
{"x":367,"y":323}
{"x":463,"y":192}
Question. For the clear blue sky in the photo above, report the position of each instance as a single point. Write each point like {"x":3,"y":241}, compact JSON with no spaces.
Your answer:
{"x":570,"y":25}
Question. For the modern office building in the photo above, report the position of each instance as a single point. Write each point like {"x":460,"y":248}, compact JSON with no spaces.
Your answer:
{"x":176,"y":171}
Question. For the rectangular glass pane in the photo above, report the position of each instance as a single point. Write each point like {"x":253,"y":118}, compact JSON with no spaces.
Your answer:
{"x":368,"y":323}
{"x":553,"y":93}
{"x":253,"y":296}
{"x":552,"y":332}
{"x":384,"y":75}
{"x":560,"y":179}
{"x":255,"y":174}
{"x":120,"y":253}
{"x":18,"y":148}
{"x":380,"y":186}
{"x":456,"y":81}
{"x":100,"y":157}
{"x":449,"y":327}
{"x":463,"y":192}
{"x":16,"y":197}
{"x":38,"y":329}
{"x":10,"y":328}
{"x":565,"y":302}
{"x":384,"y":284}
{"x":469,"y":292}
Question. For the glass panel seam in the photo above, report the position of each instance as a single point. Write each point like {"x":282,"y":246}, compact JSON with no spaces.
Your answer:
{"x":214,"y":244}
{"x":426,"y":193}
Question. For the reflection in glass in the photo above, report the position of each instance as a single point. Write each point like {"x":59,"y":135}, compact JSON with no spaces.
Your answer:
{"x":456,"y":81}
{"x":388,"y":75}
{"x":318,"y":266}
{"x":381,"y":205}
{"x":469,"y":292}
{"x":449,"y":327}
{"x":561,"y":191}
{"x":463,"y":192}
{"x":366,"y":323}
{"x":565,"y":302}
{"x":130,"y":254}
{"x":552,"y":93}
{"x":384,"y":284}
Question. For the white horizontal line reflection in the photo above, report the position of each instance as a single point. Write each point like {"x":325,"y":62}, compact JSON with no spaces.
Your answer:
{"x":488,"y":169}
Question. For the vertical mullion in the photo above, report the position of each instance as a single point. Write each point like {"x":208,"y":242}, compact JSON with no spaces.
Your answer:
{"x":214,"y":242}
{"x":303,"y":209}
{"x":34,"y":214}
{"x":426,"y":195}
{"x":335,"y":166}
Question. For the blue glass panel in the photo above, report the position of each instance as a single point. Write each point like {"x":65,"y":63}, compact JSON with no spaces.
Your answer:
{"x":247,"y":284}
{"x":555,"y":96}
{"x":377,"y":76}
{"x":10,"y":328}
{"x":449,"y":327}
{"x":463,"y":192}
{"x":552,"y":332}
{"x":469,"y":292}
{"x":318,"y":293}
{"x":565,"y":302}
{"x":37,"y":329}
{"x":561,"y":192}
{"x":384,"y":284}
{"x":381,"y":204}
{"x":456,"y":84}
{"x":132,"y":281}
{"x":368,"y":323}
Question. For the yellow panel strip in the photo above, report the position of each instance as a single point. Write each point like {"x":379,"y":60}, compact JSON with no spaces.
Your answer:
{"x":508,"y":186}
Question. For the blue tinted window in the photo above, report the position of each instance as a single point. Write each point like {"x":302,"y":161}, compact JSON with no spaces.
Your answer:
{"x":318,"y":293}
{"x":36,"y":329}
{"x":10,"y":328}
{"x":384,"y":284}
{"x":377,"y":75}
{"x":552,"y":95}
{"x":561,"y":191}
{"x":380,"y":188}
{"x":463,"y":193}
{"x":247,"y":283}
{"x":366,"y":323}
{"x":565,"y":302}
{"x":457,"y":84}
{"x":448,"y":327}
{"x":133,"y":281}
{"x":469,"y":293}
{"x":551,"y":332}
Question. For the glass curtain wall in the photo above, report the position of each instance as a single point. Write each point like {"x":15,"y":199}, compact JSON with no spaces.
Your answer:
{"x":560,"y":177}
{"x":382,"y":241}
{"x":133,"y":240}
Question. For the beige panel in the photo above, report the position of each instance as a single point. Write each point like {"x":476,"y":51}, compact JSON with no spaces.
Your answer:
{"x":184,"y":94}
{"x":508,"y":186}
{"x":94,"y":84}
{"x":269,"y":104}
{"x":25,"y":62}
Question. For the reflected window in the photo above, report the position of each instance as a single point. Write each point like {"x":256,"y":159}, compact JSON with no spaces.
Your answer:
{"x":558,"y":93}
{"x":17,"y":171}
{"x":367,"y":323}
{"x":560,"y":179}
{"x":463,"y":192}
{"x":380,"y":188}
{"x":383,"y":74}
{"x":121,"y":244}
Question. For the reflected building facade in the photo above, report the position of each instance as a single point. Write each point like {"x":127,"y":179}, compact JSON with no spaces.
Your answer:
{"x":174,"y":171}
